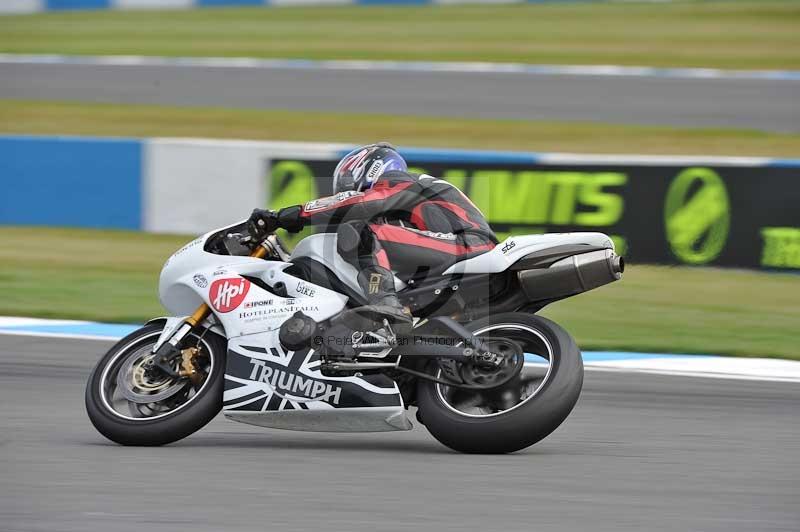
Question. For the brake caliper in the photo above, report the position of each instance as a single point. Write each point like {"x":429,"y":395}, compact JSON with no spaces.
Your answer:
{"x":188,"y":368}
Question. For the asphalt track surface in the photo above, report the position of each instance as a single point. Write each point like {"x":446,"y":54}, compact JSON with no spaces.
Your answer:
{"x":762,"y":104}
{"x":638,"y":453}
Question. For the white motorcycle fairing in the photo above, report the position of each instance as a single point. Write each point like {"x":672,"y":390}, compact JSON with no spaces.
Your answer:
{"x":322,"y":248}
{"x":269,"y":386}
{"x":264,"y":384}
{"x":514,"y":248}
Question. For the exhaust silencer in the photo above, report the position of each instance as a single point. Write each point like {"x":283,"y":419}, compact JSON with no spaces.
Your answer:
{"x":572,"y":275}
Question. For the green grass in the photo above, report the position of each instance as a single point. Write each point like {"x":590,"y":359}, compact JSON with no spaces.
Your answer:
{"x":112,"y":276}
{"x":751,"y":35}
{"x":61,"y":118}
{"x":83,"y":274}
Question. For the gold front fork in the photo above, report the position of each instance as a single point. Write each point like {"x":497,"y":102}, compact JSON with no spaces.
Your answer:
{"x":202,"y":312}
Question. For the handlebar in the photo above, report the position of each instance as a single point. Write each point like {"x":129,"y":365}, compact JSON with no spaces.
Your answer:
{"x":269,"y":247}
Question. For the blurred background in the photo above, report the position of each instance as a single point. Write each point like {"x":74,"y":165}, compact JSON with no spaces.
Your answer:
{"x":127,"y":127}
{"x":672,"y":126}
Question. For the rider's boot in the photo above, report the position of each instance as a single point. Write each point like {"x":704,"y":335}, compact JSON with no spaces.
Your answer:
{"x":378,"y":285}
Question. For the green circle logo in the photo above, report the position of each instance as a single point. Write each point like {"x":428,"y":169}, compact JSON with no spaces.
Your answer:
{"x":292,"y":183}
{"x":697,"y":215}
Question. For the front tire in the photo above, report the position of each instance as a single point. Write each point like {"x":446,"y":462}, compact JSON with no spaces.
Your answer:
{"x":188,"y":408}
{"x":469,"y":422}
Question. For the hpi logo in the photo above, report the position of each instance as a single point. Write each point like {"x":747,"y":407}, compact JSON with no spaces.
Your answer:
{"x":227,"y":294}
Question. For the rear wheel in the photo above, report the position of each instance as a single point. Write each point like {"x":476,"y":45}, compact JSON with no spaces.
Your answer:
{"x":132,"y":403}
{"x":520,"y":413}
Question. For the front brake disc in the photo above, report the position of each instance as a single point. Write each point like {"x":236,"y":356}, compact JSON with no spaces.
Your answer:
{"x":137,"y":386}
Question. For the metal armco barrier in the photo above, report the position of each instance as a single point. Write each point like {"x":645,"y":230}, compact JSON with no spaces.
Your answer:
{"x":667,"y":214}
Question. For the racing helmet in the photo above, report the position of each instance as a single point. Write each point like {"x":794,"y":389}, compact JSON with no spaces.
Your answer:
{"x":360,"y":169}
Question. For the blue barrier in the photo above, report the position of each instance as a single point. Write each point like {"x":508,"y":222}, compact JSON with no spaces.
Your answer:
{"x":58,"y":5}
{"x":105,"y":183}
{"x":76,"y":182}
{"x":32,"y":6}
{"x":436,"y":155}
{"x":219,"y":3}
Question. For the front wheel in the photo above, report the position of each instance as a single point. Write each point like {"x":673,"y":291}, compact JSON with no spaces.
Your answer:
{"x":518,"y":414}
{"x":131,"y":403}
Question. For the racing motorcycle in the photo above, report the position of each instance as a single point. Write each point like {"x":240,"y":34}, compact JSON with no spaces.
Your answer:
{"x":287,"y":340}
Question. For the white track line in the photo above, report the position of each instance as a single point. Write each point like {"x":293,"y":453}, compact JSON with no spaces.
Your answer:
{"x":684,"y":373}
{"x":65,"y":336}
{"x":403,"y":66}
{"x":10,"y":321}
{"x":758,"y":369}
{"x":751,"y":369}
{"x":754,"y":369}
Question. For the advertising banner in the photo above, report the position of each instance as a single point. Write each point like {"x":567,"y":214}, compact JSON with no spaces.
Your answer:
{"x":734,"y":216}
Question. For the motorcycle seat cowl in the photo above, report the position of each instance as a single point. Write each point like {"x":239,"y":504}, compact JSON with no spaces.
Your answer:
{"x":514,"y":248}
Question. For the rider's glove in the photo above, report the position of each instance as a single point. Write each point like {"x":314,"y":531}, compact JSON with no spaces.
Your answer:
{"x":290,"y":219}
{"x":261,"y":223}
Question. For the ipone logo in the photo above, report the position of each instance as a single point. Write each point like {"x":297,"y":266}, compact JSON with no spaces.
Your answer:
{"x":227,"y":294}
{"x":254,"y":304}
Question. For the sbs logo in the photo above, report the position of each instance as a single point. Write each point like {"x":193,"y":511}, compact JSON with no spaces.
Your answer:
{"x":697,"y":215}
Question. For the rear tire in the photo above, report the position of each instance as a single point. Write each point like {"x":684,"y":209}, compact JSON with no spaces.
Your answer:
{"x":532,"y":419}
{"x":167,"y":427}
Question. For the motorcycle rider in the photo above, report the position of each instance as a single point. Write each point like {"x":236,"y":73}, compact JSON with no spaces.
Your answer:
{"x":389,"y":219}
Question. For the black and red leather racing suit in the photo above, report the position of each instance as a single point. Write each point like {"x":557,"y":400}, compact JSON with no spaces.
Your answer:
{"x":416,"y":225}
